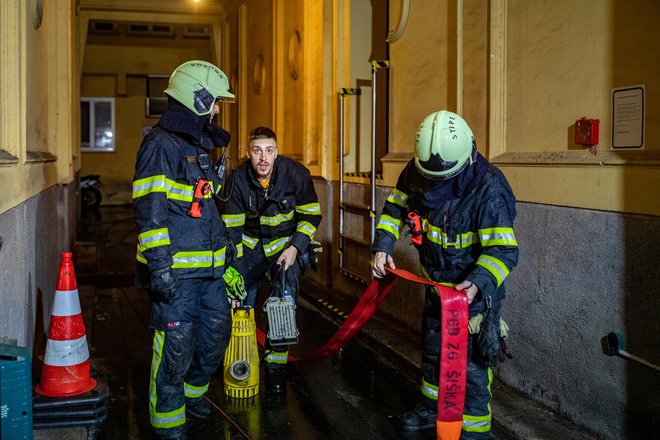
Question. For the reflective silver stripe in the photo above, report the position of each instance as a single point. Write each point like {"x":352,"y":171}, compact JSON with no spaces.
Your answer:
{"x":398,"y":198}
{"x":249,"y":241}
{"x":276,"y":359}
{"x":142,"y":187}
{"x":157,"y":349}
{"x":66,"y":353}
{"x":276,"y":219}
{"x":479,"y":423}
{"x":160,"y":183}
{"x":233,"y":220}
{"x":389,"y":224}
{"x":153,"y":238}
{"x":193,"y":391}
{"x":169,"y":419}
{"x":219,"y":257}
{"x":429,"y":390}
{"x":66,"y":303}
{"x":178,"y":191}
{"x":494,"y":266}
{"x":183,"y":260}
{"x":309,"y":209}
{"x":438,"y":236}
{"x":497,"y":237}
{"x":306,"y":228}
{"x":275,"y":246}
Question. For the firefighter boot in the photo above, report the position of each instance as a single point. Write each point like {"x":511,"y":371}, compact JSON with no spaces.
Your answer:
{"x":418,"y":419}
{"x":199,"y":409}
{"x":178,"y":433}
{"x":276,"y":380}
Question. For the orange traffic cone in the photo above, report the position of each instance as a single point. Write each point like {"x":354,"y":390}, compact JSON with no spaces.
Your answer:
{"x":66,"y":364}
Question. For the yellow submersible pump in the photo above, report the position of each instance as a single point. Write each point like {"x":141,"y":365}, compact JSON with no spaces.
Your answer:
{"x":241,"y":365}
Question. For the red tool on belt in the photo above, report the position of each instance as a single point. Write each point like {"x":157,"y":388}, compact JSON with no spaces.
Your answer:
{"x":202,"y":188}
{"x":414,"y":222}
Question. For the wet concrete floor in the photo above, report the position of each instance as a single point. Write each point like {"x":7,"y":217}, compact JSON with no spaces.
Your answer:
{"x":352,"y":395}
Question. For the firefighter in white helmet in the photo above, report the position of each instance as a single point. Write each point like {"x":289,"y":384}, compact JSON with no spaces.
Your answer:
{"x":467,"y":210}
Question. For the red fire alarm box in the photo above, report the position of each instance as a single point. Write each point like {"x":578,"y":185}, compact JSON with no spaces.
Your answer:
{"x":586,"y":131}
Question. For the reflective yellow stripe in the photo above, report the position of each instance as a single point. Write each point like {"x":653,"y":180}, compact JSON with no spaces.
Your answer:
{"x":233,"y":220}
{"x":429,"y":390}
{"x":306,"y":228}
{"x":275,"y":246}
{"x":249,"y":241}
{"x":239,"y":250}
{"x":436,"y":235}
{"x":279,"y":358}
{"x":168,"y":419}
{"x":398,"y":198}
{"x":497,"y":237}
{"x":159,"y":183}
{"x":219,"y":257}
{"x":473,"y":423}
{"x":389,"y":224}
{"x":494,"y":266}
{"x":153,"y":238}
{"x":148,"y":185}
{"x":309,"y":209}
{"x":186,"y":260}
{"x":179,"y":191}
{"x":276,"y":219}
{"x":140,"y":257}
{"x":193,"y":392}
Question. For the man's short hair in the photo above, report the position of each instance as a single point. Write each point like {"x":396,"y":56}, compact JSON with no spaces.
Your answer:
{"x":262,"y":133}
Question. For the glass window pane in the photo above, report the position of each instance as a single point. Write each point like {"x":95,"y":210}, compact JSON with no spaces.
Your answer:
{"x":103,"y":135}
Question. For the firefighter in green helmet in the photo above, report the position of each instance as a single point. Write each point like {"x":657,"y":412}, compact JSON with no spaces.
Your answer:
{"x":182,"y":248}
{"x":467,"y":210}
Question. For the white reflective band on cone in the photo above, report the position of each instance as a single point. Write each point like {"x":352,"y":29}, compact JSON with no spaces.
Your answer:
{"x":66,"y":303}
{"x":66,"y":353}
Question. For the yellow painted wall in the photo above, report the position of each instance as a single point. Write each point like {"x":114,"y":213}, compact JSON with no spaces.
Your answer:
{"x":522,"y":73}
{"x":561,"y":64}
{"x":420,"y":72}
{"x":102,"y":69}
{"x":259,"y":87}
{"x":36,"y":137}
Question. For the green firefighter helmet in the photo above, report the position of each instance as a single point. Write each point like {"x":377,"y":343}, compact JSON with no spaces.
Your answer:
{"x":445,"y":146}
{"x":197,"y":85}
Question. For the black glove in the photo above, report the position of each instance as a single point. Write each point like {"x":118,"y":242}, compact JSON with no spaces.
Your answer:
{"x":310,"y":258}
{"x":490,"y":341}
{"x":164,"y":284}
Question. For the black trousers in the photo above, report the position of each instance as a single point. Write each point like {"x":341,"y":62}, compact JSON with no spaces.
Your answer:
{"x":191,"y":334}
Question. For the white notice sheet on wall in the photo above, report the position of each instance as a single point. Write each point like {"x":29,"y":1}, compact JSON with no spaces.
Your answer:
{"x":628,"y":117}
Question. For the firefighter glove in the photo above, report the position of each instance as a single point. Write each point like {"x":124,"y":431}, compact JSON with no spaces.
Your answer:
{"x":474,"y":324}
{"x":490,"y":340}
{"x":235,"y":285}
{"x":164,"y":284}
{"x":310,"y":258}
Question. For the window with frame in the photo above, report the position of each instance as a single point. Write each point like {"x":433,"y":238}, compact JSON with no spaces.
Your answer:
{"x":97,"y":124}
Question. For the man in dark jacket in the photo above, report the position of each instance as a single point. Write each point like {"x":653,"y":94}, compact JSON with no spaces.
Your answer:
{"x":182,"y":247}
{"x":271,"y":216}
{"x":467,"y":210}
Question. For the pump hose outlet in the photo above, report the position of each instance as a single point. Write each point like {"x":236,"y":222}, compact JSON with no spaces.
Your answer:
{"x":239,"y":370}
